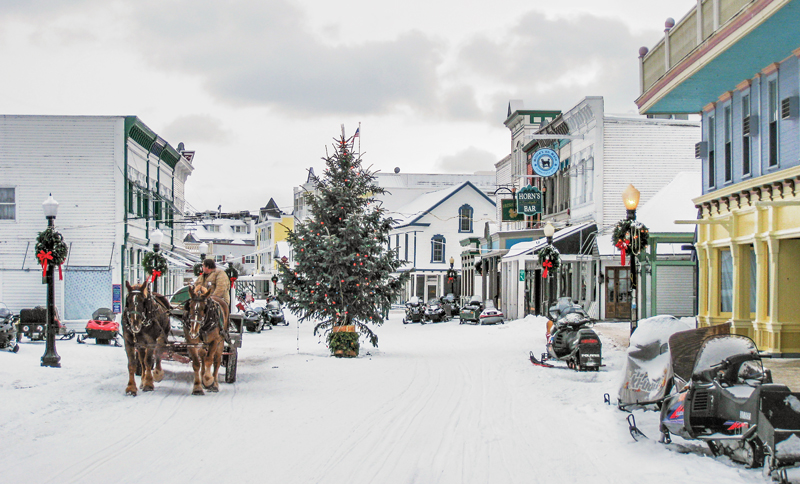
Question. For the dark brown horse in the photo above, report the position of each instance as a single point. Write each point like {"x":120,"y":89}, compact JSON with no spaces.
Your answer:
{"x":145,"y":326}
{"x":205,"y":324}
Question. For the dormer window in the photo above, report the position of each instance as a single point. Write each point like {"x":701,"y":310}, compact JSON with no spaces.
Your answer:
{"x":465,"y":219}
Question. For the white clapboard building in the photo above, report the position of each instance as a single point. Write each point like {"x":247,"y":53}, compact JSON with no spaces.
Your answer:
{"x":115,"y":180}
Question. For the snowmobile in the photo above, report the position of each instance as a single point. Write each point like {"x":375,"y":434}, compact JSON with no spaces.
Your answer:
{"x":103,"y":327}
{"x":471,"y":311}
{"x":33,"y":324}
{"x":8,"y":329}
{"x":434,"y":312}
{"x":491,"y":315}
{"x":255,"y":319}
{"x":275,"y":313}
{"x":414,"y":311}
{"x":571,"y":339}
{"x":728,"y":400}
{"x":450,"y":306}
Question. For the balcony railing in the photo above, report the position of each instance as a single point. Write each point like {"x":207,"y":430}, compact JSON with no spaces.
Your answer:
{"x":683,"y":38}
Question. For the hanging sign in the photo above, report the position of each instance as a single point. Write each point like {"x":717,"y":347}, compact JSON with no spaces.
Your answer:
{"x":545,"y":162}
{"x":529,"y":200}
{"x":509,"y":211}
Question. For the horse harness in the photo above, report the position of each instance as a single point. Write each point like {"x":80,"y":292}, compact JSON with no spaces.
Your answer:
{"x":212,"y":319}
{"x":145,"y":321}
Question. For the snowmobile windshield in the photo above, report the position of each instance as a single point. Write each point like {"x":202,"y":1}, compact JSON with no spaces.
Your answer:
{"x":475,"y":300}
{"x":4,"y":311}
{"x":718,"y":348}
{"x":274,"y":304}
{"x":414,"y":301}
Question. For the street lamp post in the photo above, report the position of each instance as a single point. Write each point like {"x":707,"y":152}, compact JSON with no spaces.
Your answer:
{"x":50,"y":357}
{"x":549,"y":230}
{"x":203,"y":247}
{"x":630,"y":196}
{"x":275,"y":285}
{"x":451,"y":275}
{"x":233,"y":282}
{"x":156,"y":237}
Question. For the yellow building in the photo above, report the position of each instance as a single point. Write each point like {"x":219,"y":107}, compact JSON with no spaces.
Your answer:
{"x":737,"y":65}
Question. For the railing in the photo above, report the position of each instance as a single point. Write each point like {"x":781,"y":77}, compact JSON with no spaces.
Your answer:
{"x":684,"y":37}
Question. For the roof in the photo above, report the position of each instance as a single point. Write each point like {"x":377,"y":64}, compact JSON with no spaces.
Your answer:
{"x":528,"y":248}
{"x":673,"y":202}
{"x":411,"y":213}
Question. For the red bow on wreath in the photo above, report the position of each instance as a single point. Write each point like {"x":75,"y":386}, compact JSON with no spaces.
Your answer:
{"x":547,"y":265}
{"x":156,"y":274}
{"x":623,"y":245}
{"x":44,"y":257}
{"x":233,"y":279}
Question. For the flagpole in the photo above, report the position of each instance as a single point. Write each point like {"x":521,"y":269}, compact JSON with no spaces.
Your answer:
{"x":359,"y":138}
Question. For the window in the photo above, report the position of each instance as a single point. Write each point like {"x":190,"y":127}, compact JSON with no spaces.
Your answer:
{"x":746,"y":134}
{"x":250,"y":259}
{"x":437,"y":248}
{"x":728,"y":143}
{"x":774,"y":106}
{"x":465,"y":219}
{"x":219,"y":258}
{"x":712,"y":139}
{"x":8,"y":204}
{"x":211,"y":228}
{"x":725,"y":281}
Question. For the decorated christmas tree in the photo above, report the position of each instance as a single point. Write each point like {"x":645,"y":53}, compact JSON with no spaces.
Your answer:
{"x":342,"y":271}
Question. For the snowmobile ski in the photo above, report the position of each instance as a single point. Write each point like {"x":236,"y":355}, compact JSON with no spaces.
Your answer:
{"x":540,"y":363}
{"x":638,"y":436}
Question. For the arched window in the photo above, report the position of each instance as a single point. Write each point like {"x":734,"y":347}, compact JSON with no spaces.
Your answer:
{"x":465,"y":219}
{"x":437,"y":248}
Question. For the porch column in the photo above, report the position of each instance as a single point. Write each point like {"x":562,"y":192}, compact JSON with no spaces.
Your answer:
{"x":772,"y":336}
{"x":740,"y":316}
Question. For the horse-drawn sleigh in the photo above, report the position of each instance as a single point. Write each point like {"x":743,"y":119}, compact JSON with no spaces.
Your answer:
{"x":198,"y":329}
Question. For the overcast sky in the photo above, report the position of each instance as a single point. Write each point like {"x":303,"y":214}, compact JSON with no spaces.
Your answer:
{"x":259,"y":88}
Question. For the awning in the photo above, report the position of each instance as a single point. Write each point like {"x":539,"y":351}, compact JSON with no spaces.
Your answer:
{"x":568,"y":240}
{"x":175,"y":259}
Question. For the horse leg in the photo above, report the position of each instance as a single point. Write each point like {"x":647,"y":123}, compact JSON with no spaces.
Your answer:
{"x":158,"y":373}
{"x":147,"y":370}
{"x":213,"y":357}
{"x":197,"y":363}
{"x":130,"y":351}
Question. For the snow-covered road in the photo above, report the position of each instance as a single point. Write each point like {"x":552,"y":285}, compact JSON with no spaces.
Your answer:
{"x":440,"y":403}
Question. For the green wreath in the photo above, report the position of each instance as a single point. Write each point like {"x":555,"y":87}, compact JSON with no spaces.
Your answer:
{"x":197,"y":269}
{"x":631,"y":235}
{"x":549,"y":258}
{"x":51,"y":242}
{"x":232,"y":273}
{"x":154,"y":262}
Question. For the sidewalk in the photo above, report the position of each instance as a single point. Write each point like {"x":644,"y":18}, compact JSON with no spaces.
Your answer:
{"x":784,"y":370}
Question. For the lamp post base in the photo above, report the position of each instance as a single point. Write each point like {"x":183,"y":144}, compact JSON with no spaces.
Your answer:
{"x":51,"y":360}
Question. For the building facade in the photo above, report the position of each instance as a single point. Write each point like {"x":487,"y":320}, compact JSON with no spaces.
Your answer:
{"x":737,"y":64}
{"x":116,"y":181}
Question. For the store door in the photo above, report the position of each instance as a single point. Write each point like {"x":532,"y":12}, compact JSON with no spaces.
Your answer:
{"x":618,"y":297}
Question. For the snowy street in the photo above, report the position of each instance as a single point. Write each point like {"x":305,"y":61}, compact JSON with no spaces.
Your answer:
{"x":439,"y":403}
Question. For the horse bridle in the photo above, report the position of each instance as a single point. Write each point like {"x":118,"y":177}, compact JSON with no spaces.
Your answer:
{"x":204,"y":324}
{"x":141,"y":318}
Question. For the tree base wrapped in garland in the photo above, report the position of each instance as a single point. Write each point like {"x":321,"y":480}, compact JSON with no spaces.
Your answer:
{"x":342,"y":270}
{"x":549,"y":258}
{"x":630,"y":237}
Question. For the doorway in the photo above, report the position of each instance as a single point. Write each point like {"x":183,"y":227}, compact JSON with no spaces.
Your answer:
{"x":618,"y":295}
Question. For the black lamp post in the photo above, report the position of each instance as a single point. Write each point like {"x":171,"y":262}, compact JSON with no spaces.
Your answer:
{"x":156,"y":237}
{"x":275,"y":284}
{"x":451,"y":275}
{"x":50,"y":357}
{"x":233,"y":283}
{"x":549,"y":230}
{"x":631,"y":198}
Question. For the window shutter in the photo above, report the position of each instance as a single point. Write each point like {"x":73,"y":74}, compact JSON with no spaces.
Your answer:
{"x":789,"y":107}
{"x":701,"y":150}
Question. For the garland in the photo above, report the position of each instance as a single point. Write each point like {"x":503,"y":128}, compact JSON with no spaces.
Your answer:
{"x":155,"y":264}
{"x":549,"y":258}
{"x":197,"y":269}
{"x":51,"y":249}
{"x":232,"y":273}
{"x":630,"y":237}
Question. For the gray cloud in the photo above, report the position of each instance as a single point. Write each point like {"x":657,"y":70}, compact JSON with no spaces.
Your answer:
{"x":555,"y":63}
{"x":197,"y":128}
{"x":469,"y":160}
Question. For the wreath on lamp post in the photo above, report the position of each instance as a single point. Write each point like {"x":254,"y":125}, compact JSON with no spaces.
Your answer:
{"x":549,"y":258}
{"x":154,"y":263}
{"x":51,"y":249}
{"x":232,"y":273}
{"x":630,"y":237}
{"x":197,"y":269}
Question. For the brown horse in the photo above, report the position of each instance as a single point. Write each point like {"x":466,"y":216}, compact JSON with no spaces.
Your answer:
{"x":204,"y":324}
{"x":145,"y":326}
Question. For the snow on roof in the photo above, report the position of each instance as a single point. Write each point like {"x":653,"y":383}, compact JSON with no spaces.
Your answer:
{"x":425,"y":203}
{"x":673,"y":202}
{"x":525,"y":248}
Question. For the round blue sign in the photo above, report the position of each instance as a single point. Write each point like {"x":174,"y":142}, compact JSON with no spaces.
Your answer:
{"x":545,"y":162}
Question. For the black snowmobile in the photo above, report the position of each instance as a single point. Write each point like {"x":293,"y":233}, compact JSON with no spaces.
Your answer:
{"x":435,"y":312}
{"x":415,"y":311}
{"x":450,"y":305}
{"x":723,"y":396}
{"x":571,"y":339}
{"x":255,"y":319}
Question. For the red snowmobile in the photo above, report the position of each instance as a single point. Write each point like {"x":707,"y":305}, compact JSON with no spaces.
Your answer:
{"x":103,"y":327}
